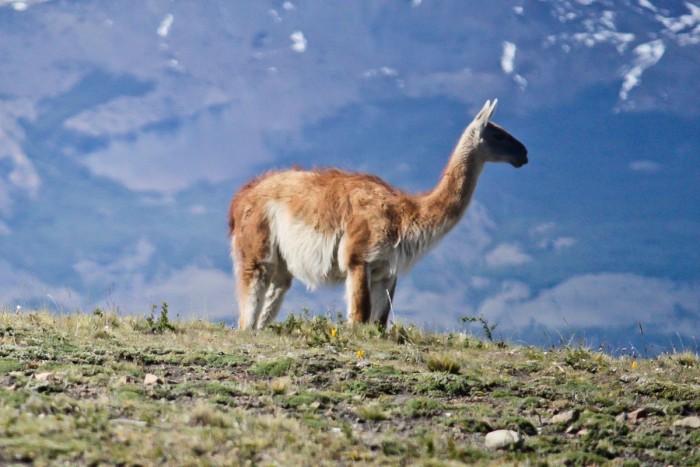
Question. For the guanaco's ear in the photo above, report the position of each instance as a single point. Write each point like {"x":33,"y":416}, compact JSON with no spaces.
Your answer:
{"x":482,"y":118}
{"x":492,"y":108}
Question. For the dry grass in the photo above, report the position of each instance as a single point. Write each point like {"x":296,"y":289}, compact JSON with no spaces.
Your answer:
{"x":73,"y":392}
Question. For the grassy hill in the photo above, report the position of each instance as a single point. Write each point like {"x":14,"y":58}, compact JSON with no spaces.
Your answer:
{"x":100,"y":388}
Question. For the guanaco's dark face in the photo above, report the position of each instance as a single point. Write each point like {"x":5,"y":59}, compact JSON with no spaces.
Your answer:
{"x":502,"y":146}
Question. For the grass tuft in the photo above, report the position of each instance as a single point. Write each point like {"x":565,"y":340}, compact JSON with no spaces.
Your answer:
{"x":208,"y":416}
{"x":443,"y":363}
{"x":160,"y":324}
{"x":372,"y":412}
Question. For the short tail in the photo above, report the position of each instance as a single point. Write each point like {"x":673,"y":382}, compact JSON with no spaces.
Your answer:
{"x":231,"y":220}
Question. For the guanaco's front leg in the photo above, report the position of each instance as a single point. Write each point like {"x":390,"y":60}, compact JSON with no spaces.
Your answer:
{"x":358,"y":297}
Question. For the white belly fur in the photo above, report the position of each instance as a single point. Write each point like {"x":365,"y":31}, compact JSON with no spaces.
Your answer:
{"x":316,"y":258}
{"x":311,"y":256}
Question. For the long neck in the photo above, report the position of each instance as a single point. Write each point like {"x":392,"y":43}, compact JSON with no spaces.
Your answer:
{"x":442,"y":207}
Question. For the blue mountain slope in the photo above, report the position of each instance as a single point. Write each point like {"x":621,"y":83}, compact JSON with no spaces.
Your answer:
{"x":125,"y":129}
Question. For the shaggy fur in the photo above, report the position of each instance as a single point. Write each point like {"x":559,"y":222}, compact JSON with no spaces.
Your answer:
{"x":329,"y":226}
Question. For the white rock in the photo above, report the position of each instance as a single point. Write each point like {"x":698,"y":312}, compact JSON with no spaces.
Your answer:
{"x":688,"y":422}
{"x":150,"y":379}
{"x":127,"y":421}
{"x":43,"y":376}
{"x":565,"y":417}
{"x":501,"y":439}
{"x":638,"y":414}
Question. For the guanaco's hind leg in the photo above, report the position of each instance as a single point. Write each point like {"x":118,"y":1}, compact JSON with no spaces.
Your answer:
{"x":382,"y":293}
{"x":251,"y":252}
{"x":280,"y":282}
{"x":252,"y":284}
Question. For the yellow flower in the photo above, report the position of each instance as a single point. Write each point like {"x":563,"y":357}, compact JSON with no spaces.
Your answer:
{"x":634,"y":364}
{"x":334,"y":332}
{"x":360,"y":354}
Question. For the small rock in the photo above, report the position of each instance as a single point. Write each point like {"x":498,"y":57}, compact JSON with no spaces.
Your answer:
{"x":43,"y":376}
{"x":565,"y":417}
{"x":401,"y":399}
{"x":637,"y":414}
{"x":16,"y":374}
{"x":150,"y":379}
{"x":688,"y":422}
{"x":127,"y":421}
{"x":626,"y":378}
{"x":501,"y":439}
{"x":126,"y":379}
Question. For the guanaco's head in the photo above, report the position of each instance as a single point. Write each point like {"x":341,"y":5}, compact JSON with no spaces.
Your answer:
{"x":495,"y":143}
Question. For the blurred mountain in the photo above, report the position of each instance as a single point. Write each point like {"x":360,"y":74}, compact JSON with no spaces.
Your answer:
{"x":126,"y":127}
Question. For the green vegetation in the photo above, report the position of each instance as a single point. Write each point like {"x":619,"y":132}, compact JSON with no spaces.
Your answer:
{"x":162,"y":323}
{"x":103,"y":389}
